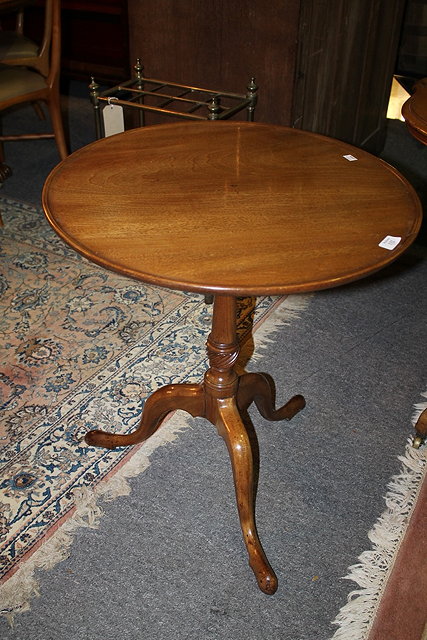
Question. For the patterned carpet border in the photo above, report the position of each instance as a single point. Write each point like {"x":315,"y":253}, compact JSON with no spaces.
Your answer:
{"x":82,"y":348}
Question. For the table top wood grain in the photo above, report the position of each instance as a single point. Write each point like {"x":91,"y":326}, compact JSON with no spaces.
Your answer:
{"x":231,"y":207}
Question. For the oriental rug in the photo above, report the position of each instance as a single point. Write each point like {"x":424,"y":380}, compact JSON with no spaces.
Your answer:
{"x":81,"y":348}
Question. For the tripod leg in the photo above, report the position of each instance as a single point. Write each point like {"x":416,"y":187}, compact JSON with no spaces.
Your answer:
{"x":259,"y":388}
{"x":232,"y":429}
{"x":188,"y":397}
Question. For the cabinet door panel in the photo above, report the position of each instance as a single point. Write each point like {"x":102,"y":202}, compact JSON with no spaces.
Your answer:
{"x":220,"y":45}
{"x":346,"y":59}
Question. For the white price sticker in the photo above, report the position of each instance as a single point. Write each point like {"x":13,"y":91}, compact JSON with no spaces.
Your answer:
{"x":349,"y":157}
{"x":390,"y":242}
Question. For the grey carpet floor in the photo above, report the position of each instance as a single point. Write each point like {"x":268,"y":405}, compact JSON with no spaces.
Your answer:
{"x":168,"y":560}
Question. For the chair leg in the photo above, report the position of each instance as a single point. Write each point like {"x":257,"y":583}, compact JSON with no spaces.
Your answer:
{"x":54,"y":106}
{"x":39,"y":111}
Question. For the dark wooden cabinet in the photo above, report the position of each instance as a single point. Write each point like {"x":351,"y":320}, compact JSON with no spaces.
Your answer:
{"x":346,"y":60}
{"x":322,"y":65}
{"x":412,"y":58}
{"x":95,"y":39}
{"x":221,"y":45}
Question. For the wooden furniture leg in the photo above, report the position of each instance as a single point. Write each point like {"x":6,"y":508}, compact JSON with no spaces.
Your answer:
{"x":259,"y":388}
{"x":188,"y":397}
{"x":5,"y":172}
{"x":232,"y":429}
{"x":226,"y":393}
{"x":421,"y":430}
{"x":220,"y":399}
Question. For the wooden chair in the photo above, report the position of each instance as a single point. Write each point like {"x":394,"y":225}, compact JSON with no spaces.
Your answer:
{"x":34,"y":79}
{"x":17,"y":49}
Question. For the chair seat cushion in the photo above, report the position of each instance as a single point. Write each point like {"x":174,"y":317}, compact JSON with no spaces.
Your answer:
{"x":17,"y":81}
{"x":14,"y":45}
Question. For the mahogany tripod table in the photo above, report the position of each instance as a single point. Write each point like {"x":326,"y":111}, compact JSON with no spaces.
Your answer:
{"x":229,"y":209}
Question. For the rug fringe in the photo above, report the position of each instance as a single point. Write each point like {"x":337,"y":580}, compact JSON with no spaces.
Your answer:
{"x":374,"y":567}
{"x":282,"y":315}
{"x":287,"y":310}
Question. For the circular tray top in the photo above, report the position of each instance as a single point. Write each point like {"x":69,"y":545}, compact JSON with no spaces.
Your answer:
{"x":231,"y":207}
{"x":414,"y":110}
